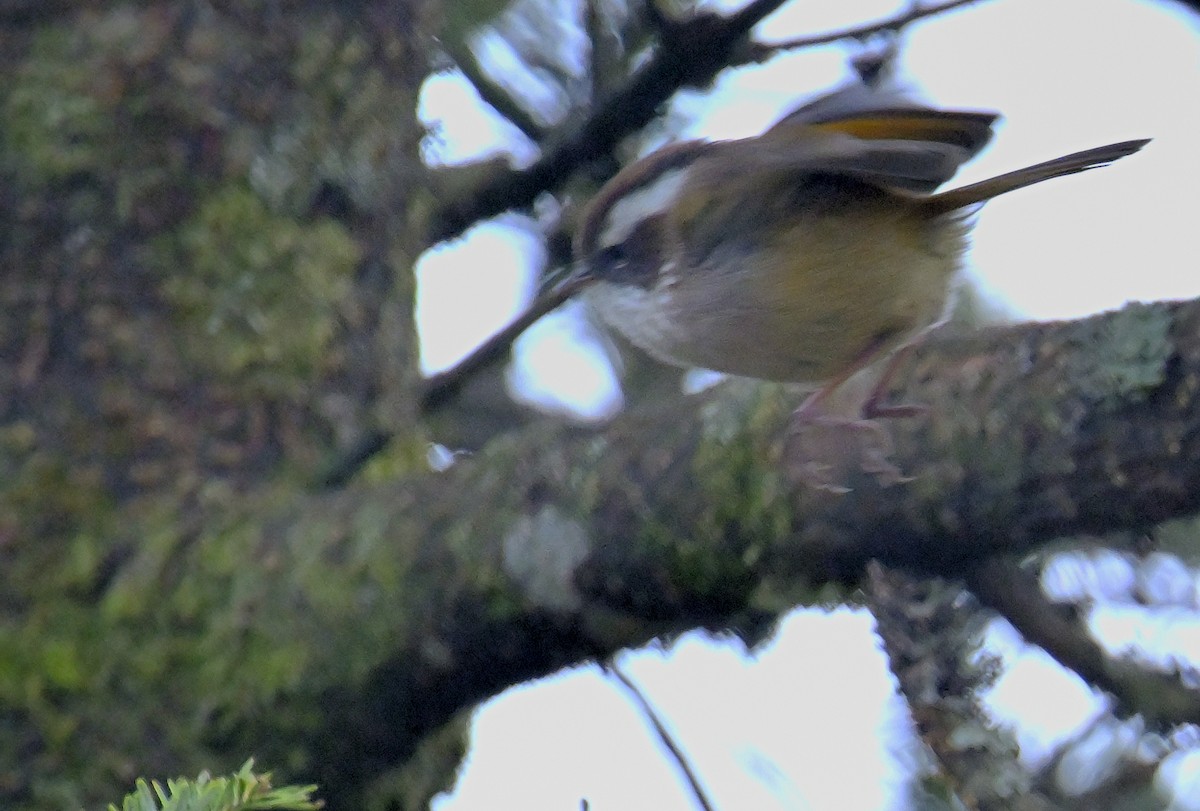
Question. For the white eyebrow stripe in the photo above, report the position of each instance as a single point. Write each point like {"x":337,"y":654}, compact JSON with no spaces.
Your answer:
{"x":632,"y":208}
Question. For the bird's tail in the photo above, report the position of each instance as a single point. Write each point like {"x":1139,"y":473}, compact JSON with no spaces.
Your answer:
{"x":984,"y":190}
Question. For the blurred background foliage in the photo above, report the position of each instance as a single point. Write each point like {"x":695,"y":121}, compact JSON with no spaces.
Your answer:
{"x":189,"y":328}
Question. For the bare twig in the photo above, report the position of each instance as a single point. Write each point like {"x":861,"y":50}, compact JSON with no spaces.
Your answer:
{"x":492,"y":92}
{"x":663,"y":733}
{"x":763,"y":51}
{"x":442,"y":388}
{"x":1016,"y":595}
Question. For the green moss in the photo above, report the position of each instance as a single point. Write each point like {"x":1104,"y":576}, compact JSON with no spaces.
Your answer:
{"x":53,"y":661}
{"x":82,"y":106}
{"x":736,"y":501}
{"x":405,"y":454}
{"x":342,"y":134}
{"x":139,"y":608}
{"x":258,"y":294}
{"x":55,"y":123}
{"x":742,"y":477}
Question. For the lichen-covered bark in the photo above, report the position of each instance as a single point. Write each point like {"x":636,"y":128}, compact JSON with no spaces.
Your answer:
{"x":1050,"y":429}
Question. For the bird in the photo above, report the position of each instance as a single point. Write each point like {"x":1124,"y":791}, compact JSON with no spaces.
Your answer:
{"x":806,"y":253}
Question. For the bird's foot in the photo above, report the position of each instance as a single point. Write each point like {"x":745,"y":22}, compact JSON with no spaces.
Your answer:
{"x":823,"y":451}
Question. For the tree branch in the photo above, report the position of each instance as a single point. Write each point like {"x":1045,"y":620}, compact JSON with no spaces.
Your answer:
{"x":928,"y":632}
{"x":492,"y":92}
{"x":664,"y":735}
{"x":760,"y":52}
{"x":1016,"y":595}
{"x":694,"y":56}
{"x":551,"y":547}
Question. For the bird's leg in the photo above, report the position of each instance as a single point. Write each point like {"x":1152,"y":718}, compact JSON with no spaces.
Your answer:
{"x":822,"y":444}
{"x":873,"y":409}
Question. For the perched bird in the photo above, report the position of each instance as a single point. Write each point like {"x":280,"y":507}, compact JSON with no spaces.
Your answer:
{"x":805,"y":253}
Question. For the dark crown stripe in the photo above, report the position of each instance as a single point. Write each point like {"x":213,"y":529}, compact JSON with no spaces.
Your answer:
{"x":636,"y":176}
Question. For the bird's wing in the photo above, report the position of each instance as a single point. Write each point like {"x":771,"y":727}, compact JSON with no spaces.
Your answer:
{"x":915,"y":149}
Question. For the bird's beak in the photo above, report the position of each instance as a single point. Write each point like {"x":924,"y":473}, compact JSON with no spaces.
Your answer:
{"x":573,"y":278}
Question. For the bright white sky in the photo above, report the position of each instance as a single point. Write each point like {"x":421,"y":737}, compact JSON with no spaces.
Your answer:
{"x":811,"y":721}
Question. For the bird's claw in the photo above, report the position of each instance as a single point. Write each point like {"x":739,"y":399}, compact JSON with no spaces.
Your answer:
{"x":823,"y":450}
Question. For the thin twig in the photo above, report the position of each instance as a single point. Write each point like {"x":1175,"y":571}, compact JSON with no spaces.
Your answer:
{"x":762,"y":51}
{"x":441,"y":388}
{"x":492,"y":92}
{"x":1016,"y":594}
{"x":663,"y":733}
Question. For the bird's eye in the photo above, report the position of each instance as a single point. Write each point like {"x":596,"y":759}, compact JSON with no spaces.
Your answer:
{"x":614,"y":257}
{"x":636,"y":258}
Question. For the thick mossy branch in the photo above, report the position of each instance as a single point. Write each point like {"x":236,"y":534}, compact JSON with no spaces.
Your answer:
{"x":1033,"y":432}
{"x":556,"y":545}
{"x":333,"y":633}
